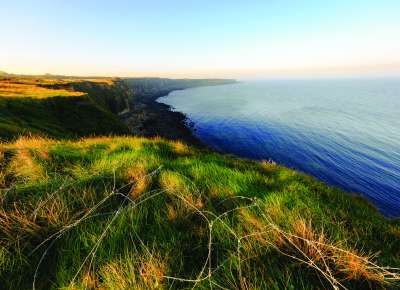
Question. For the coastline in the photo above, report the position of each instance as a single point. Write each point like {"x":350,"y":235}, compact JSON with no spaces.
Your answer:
{"x":156,"y":190}
{"x":160,"y":120}
{"x":149,"y":118}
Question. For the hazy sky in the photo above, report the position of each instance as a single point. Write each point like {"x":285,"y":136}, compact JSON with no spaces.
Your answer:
{"x":190,"y":38}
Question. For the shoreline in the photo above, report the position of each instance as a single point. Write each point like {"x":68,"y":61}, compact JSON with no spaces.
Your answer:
{"x":149,"y":118}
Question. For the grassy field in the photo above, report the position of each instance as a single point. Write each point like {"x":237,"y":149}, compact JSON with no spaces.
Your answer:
{"x":57,"y":108}
{"x":23,"y":89}
{"x":136,"y":213}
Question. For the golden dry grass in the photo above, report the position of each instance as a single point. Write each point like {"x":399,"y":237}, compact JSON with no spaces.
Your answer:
{"x":36,"y":144}
{"x":23,"y":166}
{"x":24,"y":163}
{"x":181,"y":148}
{"x":152,"y":271}
{"x":332,"y":259}
{"x":171,"y":181}
{"x":39,"y":88}
{"x":312,"y":248}
{"x":17,"y":89}
{"x":114,"y":274}
{"x":171,"y":212}
{"x":137,"y":176}
{"x":146,"y":272}
{"x":16,"y":225}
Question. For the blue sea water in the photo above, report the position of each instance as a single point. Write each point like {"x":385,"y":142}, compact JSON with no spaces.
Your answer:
{"x":344,"y":132}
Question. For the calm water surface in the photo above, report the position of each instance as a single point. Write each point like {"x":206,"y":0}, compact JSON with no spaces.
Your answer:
{"x":344,"y":132}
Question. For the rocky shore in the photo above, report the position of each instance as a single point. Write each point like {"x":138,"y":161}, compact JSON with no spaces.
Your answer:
{"x":146,"y":117}
{"x":149,"y":118}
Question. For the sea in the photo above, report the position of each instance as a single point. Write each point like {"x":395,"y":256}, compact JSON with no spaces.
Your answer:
{"x":345,"y":132}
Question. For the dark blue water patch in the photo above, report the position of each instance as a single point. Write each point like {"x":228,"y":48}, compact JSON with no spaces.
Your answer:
{"x":345,"y":133}
{"x":332,"y":163}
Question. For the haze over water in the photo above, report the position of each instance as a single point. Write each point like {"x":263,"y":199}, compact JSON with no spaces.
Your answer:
{"x":345,"y":132}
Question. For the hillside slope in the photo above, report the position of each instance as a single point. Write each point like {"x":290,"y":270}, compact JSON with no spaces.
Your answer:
{"x":70,"y":107}
{"x":59,"y":108}
{"x":137,"y":213}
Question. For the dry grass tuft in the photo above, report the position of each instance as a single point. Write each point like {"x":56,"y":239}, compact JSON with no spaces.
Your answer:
{"x":258,"y":230}
{"x":16,"y":226}
{"x":188,"y":202}
{"x":310,"y":243}
{"x":152,"y":271}
{"x":357,"y":267}
{"x":32,"y":142}
{"x":137,"y":175}
{"x":90,"y":282}
{"x":331,"y":259}
{"x":53,"y":210}
{"x":36,"y":144}
{"x":23,"y":166}
{"x":145,"y":272}
{"x":114,"y":276}
{"x":172,"y":182}
{"x":171,"y":212}
{"x":181,"y":148}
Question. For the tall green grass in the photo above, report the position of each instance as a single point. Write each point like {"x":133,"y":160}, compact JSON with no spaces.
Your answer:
{"x":136,"y":213}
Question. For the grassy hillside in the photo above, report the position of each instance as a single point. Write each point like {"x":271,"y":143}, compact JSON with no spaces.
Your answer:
{"x":135,"y":213}
{"x":58,"y":108}
{"x":69,"y":107}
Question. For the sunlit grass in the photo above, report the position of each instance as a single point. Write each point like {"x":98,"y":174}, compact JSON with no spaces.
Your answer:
{"x":28,"y":89}
{"x":137,"y":213}
{"x":57,"y":107}
{"x":43,"y":88}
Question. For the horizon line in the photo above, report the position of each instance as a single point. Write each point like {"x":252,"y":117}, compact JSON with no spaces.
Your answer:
{"x":374,"y":70}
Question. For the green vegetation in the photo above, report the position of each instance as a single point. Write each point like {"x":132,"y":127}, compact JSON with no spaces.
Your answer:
{"x":136,"y":213}
{"x":70,"y":107}
{"x":58,"y":108}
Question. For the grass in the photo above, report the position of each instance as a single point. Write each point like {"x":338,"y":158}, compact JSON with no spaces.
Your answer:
{"x":136,"y":213}
{"x":27,"y":88}
{"x":57,"y":108}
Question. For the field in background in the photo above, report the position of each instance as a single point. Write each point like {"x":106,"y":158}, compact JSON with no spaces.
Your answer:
{"x":56,"y":108}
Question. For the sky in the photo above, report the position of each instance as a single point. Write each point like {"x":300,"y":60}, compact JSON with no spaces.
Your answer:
{"x":203,"y":38}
